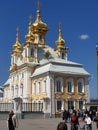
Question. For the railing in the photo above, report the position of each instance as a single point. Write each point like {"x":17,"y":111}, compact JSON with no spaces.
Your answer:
{"x":25,"y":107}
{"x":5,"y":107}
{"x":32,"y":107}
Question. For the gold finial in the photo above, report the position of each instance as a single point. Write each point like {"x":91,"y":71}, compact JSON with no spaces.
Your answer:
{"x":17,"y":29}
{"x":60,"y":42}
{"x":60,"y":30}
{"x":17,"y":45}
{"x":38,"y":18}
{"x":39,"y":26}
{"x":38,"y":4}
{"x":17,"y":39}
{"x":30,"y":17}
{"x":60,"y":25}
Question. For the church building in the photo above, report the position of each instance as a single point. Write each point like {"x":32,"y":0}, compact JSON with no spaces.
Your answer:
{"x":42,"y":74}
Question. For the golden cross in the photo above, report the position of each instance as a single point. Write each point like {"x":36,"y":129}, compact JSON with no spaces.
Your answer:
{"x":17,"y":29}
{"x":38,"y":5}
{"x":30,"y":17}
{"x":60,"y":25}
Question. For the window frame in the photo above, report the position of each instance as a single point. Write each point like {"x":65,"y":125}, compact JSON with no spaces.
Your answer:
{"x":59,"y":85}
{"x":80,"y":101}
{"x":82,"y":85}
{"x":61,"y":105}
{"x":70,"y":80}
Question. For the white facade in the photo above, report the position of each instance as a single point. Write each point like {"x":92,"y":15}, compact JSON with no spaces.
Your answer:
{"x":42,"y":74}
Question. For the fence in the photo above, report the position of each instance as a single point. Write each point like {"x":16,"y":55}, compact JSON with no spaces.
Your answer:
{"x":32,"y":107}
{"x":25,"y":107}
{"x":5,"y":107}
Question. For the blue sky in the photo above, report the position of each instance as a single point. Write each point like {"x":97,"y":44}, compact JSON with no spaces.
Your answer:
{"x":79,"y":20}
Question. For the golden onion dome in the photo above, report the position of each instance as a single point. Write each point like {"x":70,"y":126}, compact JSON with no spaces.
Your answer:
{"x":30,"y":36}
{"x":17,"y":46}
{"x":39,"y":26}
{"x":60,"y":42}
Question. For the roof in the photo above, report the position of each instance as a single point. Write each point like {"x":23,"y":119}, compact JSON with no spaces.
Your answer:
{"x":6,"y":83}
{"x":58,"y":60}
{"x":1,"y":90}
{"x":64,"y":68}
{"x":92,"y":104}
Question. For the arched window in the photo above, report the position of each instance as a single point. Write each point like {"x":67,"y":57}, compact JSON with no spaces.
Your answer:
{"x":22,"y":75}
{"x":25,"y":52}
{"x":34,"y":88}
{"x":59,"y":104}
{"x":45,"y":86}
{"x":80,"y":86}
{"x":70,"y":104}
{"x":70,"y":85}
{"x":32,"y":52}
{"x":16,"y":90}
{"x":63,"y":55}
{"x":80,"y":104}
{"x":12,"y":91}
{"x":39,"y":87}
{"x":59,"y":85}
{"x":21,"y":89}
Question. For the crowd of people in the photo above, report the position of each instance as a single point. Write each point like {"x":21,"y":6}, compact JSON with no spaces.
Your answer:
{"x":73,"y":118}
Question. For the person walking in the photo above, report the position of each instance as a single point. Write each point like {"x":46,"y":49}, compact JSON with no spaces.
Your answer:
{"x":88,"y":123}
{"x":74,"y":121}
{"x":12,"y":121}
{"x":96,"y":120}
{"x":65,"y":115}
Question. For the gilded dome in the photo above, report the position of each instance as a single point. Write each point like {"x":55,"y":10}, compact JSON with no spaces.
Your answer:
{"x":60,"y":42}
{"x":30,"y":36}
{"x":17,"y":46}
{"x":39,"y":26}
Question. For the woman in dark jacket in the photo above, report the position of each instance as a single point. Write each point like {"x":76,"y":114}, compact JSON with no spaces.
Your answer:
{"x":66,"y":115}
{"x":74,"y":121}
{"x":10,"y":124}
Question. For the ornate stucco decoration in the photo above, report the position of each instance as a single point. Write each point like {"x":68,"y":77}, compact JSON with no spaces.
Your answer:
{"x":13,"y":67}
{"x":47,"y":55}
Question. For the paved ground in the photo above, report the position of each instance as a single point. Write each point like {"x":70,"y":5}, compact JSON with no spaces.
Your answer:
{"x":38,"y":124}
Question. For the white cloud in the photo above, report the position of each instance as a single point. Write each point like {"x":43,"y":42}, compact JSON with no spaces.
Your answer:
{"x":83,"y":36}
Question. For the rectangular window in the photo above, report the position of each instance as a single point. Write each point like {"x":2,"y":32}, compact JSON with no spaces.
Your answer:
{"x":12,"y":90}
{"x":34,"y":88}
{"x":69,"y":87}
{"x":22,"y":75}
{"x":59,"y":86}
{"x":44,"y":89}
{"x":70,"y":104}
{"x":16,"y":90}
{"x":39,"y":88}
{"x":59,"y":105}
{"x":80,"y":105}
{"x":32,"y":52}
{"x":21,"y":90}
{"x":79,"y":87}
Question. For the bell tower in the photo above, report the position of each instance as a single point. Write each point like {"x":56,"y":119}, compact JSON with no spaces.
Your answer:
{"x":60,"y":43}
{"x":16,"y":53}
